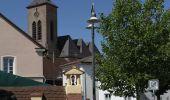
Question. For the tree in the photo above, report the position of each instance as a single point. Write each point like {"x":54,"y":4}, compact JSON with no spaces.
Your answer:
{"x":136,"y":47}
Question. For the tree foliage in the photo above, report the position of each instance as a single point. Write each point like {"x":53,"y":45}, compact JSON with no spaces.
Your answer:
{"x":136,"y":47}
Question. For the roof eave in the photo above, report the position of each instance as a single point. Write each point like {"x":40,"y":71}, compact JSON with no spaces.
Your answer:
{"x":32,"y":6}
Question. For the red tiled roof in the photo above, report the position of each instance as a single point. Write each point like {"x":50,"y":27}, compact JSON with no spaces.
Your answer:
{"x":49,"y":92}
{"x":74,"y":97}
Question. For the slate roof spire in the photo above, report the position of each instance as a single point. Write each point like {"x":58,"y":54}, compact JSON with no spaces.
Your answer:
{"x":35,"y":3}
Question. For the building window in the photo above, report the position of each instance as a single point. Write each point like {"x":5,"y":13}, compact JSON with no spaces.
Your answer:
{"x":8,"y":64}
{"x":51,"y":30}
{"x":39,"y":30}
{"x":34,"y":31}
{"x":108,"y":96}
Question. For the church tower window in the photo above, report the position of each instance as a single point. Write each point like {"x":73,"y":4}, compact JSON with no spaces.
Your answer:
{"x":34,"y":30}
{"x":51,"y":30}
{"x":39,"y":30}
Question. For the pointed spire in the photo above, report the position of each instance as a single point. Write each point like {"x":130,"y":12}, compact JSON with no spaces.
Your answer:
{"x":93,"y":13}
{"x":93,"y":19}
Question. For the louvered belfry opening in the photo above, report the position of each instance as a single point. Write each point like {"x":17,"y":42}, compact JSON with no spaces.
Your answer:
{"x":39,"y":30}
{"x":34,"y":30}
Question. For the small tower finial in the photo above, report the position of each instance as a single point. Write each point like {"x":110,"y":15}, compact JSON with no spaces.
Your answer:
{"x":93,"y":13}
{"x":74,"y":67}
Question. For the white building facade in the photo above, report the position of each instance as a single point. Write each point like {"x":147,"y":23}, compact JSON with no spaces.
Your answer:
{"x":86,"y":81}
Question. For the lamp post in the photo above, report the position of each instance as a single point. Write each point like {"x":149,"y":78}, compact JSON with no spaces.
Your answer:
{"x":93,"y":19}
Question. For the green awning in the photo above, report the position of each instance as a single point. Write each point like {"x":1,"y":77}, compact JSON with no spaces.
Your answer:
{"x":10,"y":80}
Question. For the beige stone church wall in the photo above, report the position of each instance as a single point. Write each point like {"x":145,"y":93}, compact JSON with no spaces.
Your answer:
{"x":47,"y":14}
{"x":31,"y":18}
{"x":13,"y":43}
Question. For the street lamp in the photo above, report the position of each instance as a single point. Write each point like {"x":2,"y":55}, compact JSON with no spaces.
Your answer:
{"x":93,"y":19}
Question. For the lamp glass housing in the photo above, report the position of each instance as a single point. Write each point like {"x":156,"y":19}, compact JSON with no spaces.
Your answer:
{"x":93,"y":20}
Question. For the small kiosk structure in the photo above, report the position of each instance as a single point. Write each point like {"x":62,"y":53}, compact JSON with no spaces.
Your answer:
{"x":73,"y":85}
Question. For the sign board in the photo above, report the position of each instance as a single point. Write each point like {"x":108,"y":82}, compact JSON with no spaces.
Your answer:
{"x":153,"y":84}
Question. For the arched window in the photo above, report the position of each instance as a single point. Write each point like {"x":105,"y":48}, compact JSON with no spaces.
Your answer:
{"x":51,"y":30}
{"x":34,"y":31}
{"x":73,"y":80}
{"x":39,"y":30}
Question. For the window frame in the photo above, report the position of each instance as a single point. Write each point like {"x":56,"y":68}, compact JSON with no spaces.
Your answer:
{"x":14,"y":63}
{"x":107,"y":96}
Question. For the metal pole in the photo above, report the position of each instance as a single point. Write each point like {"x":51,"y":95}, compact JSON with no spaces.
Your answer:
{"x":85,"y":90}
{"x":53,"y":67}
{"x":93,"y":64}
{"x":153,"y":95}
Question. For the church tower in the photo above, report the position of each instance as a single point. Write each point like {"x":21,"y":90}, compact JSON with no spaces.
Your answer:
{"x":42,"y":23}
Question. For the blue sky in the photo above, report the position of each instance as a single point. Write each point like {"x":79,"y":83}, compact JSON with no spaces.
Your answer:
{"x":72,"y":15}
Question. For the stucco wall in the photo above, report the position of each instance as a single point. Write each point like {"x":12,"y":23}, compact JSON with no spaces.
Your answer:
{"x":166,"y":96}
{"x":149,"y":96}
{"x":13,"y":43}
{"x":102,"y":96}
{"x":36,"y":98}
{"x":87,"y":81}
